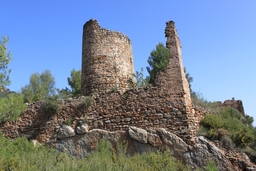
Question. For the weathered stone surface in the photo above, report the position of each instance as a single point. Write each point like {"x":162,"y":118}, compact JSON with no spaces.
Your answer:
{"x":250,"y":169}
{"x":176,"y":77}
{"x":203,"y":152}
{"x":154,"y":140}
{"x":173,"y":143}
{"x":82,"y":145}
{"x":107,"y":63}
{"x":82,"y":129}
{"x":138,"y":134}
{"x":65,"y":132}
{"x":196,"y":156}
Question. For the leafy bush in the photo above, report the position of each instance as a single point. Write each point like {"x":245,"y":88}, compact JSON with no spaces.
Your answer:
{"x":85,"y":101}
{"x":212,"y":121}
{"x":226,"y":125}
{"x":50,"y":106}
{"x":40,"y":87}
{"x":5,"y":93}
{"x":11,"y":107}
{"x":74,"y":81}
{"x":64,"y":93}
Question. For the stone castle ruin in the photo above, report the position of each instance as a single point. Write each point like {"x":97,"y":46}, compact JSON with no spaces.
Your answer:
{"x":107,"y":61}
{"x":107,"y":64}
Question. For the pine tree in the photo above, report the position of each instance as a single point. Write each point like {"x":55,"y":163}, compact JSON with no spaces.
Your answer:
{"x":75,"y":82}
{"x":5,"y":58}
{"x":157,"y":61}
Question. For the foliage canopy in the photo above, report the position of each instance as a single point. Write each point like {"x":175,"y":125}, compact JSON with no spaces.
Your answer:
{"x":74,"y":81}
{"x":157,"y":61}
{"x":11,"y":107}
{"x":41,"y":87}
{"x":228,"y":123}
{"x":5,"y":58}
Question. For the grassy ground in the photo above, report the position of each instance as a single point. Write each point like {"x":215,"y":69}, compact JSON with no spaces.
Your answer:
{"x":21,"y":155}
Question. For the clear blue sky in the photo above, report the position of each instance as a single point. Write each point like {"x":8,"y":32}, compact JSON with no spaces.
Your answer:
{"x":218,"y":39}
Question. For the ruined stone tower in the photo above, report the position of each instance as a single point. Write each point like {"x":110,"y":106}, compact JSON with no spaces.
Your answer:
{"x":173,"y":79}
{"x":107,"y":61}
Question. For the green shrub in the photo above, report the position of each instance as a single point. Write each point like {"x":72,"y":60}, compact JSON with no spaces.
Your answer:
{"x":212,"y":121}
{"x":11,"y":107}
{"x":244,"y":136}
{"x":64,"y":93}
{"x":248,"y":150}
{"x":50,"y":106}
{"x":228,"y":125}
{"x":40,"y":87}
{"x":85,"y":102}
{"x":230,"y":113}
{"x":5,"y":93}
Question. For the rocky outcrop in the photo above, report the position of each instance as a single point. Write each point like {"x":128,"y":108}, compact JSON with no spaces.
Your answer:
{"x":138,"y":134}
{"x":66,"y":132}
{"x":142,"y":141}
{"x":205,"y":151}
{"x":82,"y":129}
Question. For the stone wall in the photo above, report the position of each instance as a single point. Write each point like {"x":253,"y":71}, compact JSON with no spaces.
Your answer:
{"x":107,"y":61}
{"x":172,"y":79}
{"x":147,"y":108}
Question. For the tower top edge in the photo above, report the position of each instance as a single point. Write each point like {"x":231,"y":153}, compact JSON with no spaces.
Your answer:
{"x":92,"y":23}
{"x":170,"y":23}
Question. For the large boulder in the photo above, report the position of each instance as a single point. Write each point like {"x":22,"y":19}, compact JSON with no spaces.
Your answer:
{"x":82,"y":129}
{"x":154,"y":140}
{"x":65,"y":132}
{"x":138,"y":134}
{"x":205,"y":151}
{"x":83,"y":145}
